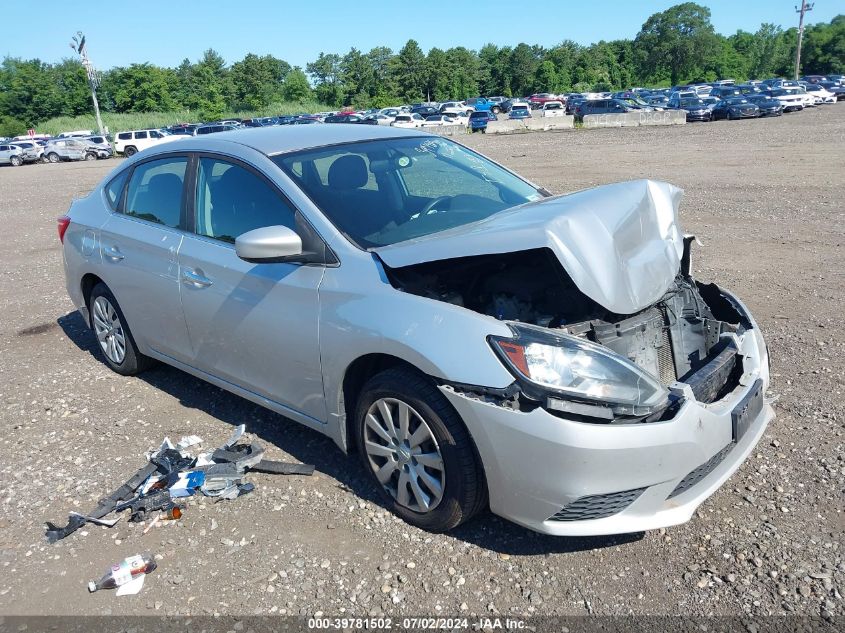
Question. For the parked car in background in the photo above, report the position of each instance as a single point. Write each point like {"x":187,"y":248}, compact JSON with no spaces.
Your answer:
{"x":425,"y":110}
{"x":837,"y":89}
{"x":75,"y":134}
{"x":102,"y":145}
{"x":437,"y":120}
{"x":31,"y":151}
{"x":183,"y":129}
{"x":408,"y":120}
{"x":721,"y":92}
{"x":696,"y":109}
{"x":214,"y":128}
{"x":478,"y":120}
{"x":132,"y":142}
{"x":414,"y":347}
{"x":790,"y":101}
{"x":350,"y":118}
{"x":537,"y":100}
{"x":11,"y":154}
{"x":554,"y":108}
{"x":459,"y":115}
{"x":768,"y":106}
{"x":520,"y":111}
{"x":482,"y":104}
{"x":735,"y":107}
{"x":604,"y":106}
{"x":820,"y":93}
{"x":450,"y":105}
{"x":381,"y":119}
{"x":657,"y":101}
{"x":70,"y":148}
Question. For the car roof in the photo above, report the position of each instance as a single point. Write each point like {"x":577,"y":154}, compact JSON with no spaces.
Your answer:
{"x":284,"y":139}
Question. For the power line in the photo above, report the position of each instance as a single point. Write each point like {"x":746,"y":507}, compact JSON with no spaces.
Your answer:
{"x":805,"y":7}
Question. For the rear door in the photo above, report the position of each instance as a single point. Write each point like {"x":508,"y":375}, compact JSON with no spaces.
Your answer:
{"x":253,"y":325}
{"x":139,"y":246}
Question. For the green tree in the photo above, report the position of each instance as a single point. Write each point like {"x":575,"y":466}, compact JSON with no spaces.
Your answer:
{"x":296,"y":86}
{"x":358,"y":77}
{"x":522,"y":64}
{"x":545,"y":79}
{"x":409,"y":72}
{"x":257,"y":81}
{"x":678,"y":42}
{"x":823,"y":51}
{"x":141,"y":88}
{"x":326,"y":74}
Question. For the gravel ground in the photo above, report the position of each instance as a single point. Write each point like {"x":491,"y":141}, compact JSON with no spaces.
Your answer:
{"x":765,"y":198}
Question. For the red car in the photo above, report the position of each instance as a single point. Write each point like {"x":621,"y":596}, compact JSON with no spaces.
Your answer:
{"x":537,"y":100}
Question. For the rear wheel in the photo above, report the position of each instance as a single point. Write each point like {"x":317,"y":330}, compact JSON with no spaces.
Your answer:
{"x":130,"y":151}
{"x":90,"y":156}
{"x":495,"y":109}
{"x":418,"y":451}
{"x":53,"y":157}
{"x":16,"y":161}
{"x":113,"y":335}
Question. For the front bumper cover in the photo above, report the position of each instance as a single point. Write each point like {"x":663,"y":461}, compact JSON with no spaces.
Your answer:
{"x":537,"y":463}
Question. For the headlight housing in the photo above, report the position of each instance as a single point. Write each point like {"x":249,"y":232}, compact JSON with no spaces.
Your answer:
{"x":562,"y":365}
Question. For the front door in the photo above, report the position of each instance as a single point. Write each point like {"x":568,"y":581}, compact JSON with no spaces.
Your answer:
{"x":254,"y":325}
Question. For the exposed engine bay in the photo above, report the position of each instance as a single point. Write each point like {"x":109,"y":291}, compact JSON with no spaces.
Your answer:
{"x":672,"y":339}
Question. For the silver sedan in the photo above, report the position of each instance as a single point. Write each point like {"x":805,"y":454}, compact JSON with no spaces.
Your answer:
{"x":476,"y":340}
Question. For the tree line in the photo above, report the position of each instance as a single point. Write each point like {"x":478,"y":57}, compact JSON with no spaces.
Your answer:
{"x":673,"y":46}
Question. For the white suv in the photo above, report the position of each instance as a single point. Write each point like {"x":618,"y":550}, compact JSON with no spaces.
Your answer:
{"x":129,"y":143}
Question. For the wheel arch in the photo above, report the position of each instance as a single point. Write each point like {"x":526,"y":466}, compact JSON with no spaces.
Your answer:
{"x":87,"y":284}
{"x":355,"y":377}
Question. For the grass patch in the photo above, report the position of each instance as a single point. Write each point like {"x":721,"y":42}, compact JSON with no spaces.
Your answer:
{"x":117,"y":122}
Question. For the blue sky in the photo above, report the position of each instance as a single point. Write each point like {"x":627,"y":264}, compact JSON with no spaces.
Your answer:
{"x":165,"y":32}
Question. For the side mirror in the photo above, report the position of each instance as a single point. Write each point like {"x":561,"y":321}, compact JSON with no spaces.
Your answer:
{"x":268,"y":244}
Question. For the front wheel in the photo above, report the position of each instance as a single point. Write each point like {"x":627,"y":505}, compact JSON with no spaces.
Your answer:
{"x":90,"y":156}
{"x":53,"y":157}
{"x":16,"y":161}
{"x":418,"y":452}
{"x":495,"y":110}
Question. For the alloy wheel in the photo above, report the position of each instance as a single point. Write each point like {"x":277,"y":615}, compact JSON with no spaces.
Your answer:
{"x":404,"y":455}
{"x":109,"y":330}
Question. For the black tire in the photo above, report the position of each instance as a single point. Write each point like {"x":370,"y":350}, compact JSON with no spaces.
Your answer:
{"x":53,"y":157}
{"x":16,"y":161}
{"x":465,"y":489}
{"x":130,"y":151}
{"x":134,"y":362}
{"x":495,"y":109}
{"x":90,"y":156}
{"x":729,"y":116}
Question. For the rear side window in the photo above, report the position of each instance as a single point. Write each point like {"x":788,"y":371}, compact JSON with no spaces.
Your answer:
{"x":141,"y":134}
{"x":114,"y":189}
{"x":232,"y":200}
{"x":155,"y":191}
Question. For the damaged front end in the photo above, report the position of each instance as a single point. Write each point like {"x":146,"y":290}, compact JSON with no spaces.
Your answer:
{"x":573,"y":355}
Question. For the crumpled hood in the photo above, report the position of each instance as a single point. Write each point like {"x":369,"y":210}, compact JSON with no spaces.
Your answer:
{"x":619,"y":243}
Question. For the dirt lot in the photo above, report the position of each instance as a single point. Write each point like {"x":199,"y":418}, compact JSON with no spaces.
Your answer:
{"x":765,"y":198}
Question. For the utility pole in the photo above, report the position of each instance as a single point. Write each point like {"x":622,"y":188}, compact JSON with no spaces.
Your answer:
{"x":805,"y":7}
{"x":78,"y":45}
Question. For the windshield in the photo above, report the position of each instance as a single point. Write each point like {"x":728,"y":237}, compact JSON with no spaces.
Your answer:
{"x":691,"y":102}
{"x":387,"y":191}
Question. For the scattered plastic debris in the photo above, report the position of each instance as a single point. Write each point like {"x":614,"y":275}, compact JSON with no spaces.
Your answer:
{"x":126,"y":576}
{"x":173,"y":473}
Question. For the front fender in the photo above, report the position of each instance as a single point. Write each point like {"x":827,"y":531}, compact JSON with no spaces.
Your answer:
{"x":361,"y":313}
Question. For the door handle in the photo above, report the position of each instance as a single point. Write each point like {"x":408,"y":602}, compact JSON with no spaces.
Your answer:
{"x":113,"y":253}
{"x":192,"y":277}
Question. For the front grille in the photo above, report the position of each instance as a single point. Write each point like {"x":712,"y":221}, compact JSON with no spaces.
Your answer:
{"x":701,"y":472}
{"x":597,"y":506}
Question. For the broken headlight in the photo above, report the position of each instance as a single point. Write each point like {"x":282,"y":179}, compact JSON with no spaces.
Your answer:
{"x":580,"y":370}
